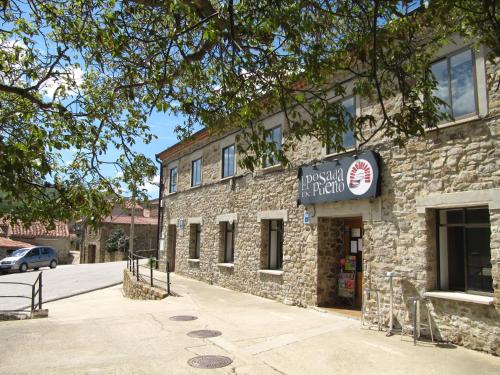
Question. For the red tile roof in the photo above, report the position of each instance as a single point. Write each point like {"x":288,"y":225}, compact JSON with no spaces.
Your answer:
{"x":37,"y":229}
{"x":140,"y":220}
{"x":7,"y":243}
{"x":128,"y":204}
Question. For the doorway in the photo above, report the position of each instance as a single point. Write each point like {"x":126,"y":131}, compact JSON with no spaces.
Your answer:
{"x":340,"y":262}
{"x":91,"y":252}
{"x":353,"y":247}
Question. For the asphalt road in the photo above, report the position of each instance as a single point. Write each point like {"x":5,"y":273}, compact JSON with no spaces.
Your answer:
{"x":61,"y":282}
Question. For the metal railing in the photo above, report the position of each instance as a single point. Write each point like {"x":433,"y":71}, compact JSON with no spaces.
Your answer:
{"x":35,"y":297}
{"x":144,"y":268}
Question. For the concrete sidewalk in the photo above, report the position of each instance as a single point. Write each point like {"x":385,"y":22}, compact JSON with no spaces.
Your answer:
{"x":104,"y":333}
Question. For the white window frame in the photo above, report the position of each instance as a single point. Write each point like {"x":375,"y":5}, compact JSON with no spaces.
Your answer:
{"x":457,"y":45}
{"x":222,"y":161}
{"x":447,"y":59}
{"x":349,"y":86}
{"x":270,"y":129}
{"x":170,"y":168}
{"x":224,"y":143}
{"x":356,"y":114}
{"x":201,"y":172}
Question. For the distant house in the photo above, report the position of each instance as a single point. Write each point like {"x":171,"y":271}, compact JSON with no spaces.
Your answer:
{"x":93,"y":242}
{"x":7,"y":246}
{"x":15,"y":236}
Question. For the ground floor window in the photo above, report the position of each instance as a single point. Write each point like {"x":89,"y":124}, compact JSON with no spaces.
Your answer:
{"x":195,"y":241}
{"x":464,"y":249}
{"x":275,"y":245}
{"x":228,"y":242}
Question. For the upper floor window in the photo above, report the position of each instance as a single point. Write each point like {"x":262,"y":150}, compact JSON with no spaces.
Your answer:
{"x":455,"y":76}
{"x":228,"y":161}
{"x":196,"y":172}
{"x":348,"y":139}
{"x":172,"y":180}
{"x":274,"y":136}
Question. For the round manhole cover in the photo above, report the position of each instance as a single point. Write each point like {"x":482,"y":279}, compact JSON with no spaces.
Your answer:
{"x":204,"y":333}
{"x":210,"y":361}
{"x":183,"y":318}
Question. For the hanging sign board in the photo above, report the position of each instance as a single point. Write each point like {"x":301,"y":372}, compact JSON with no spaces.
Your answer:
{"x":350,"y":177}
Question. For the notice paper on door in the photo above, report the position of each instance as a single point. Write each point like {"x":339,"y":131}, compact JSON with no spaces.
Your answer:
{"x":354,"y":247}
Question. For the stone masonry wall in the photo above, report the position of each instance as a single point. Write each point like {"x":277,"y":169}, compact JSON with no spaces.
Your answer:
{"x":463,"y":157}
{"x":330,"y":251}
{"x":299,"y":259}
{"x":134,"y":289}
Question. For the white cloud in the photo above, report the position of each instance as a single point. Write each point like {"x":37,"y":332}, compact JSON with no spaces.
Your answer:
{"x":70,"y":76}
{"x":74,"y":75}
{"x":153,"y":187}
{"x":13,"y":47}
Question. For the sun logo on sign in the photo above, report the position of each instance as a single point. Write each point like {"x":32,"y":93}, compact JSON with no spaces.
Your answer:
{"x":360,"y":177}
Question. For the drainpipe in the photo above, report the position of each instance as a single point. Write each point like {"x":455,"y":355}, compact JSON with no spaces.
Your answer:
{"x":160,"y":212}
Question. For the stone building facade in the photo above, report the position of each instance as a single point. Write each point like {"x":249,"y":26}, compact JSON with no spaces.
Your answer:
{"x":93,"y":241}
{"x":437,"y":209}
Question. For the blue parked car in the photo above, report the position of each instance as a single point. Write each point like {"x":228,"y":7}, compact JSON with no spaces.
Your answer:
{"x":29,"y":258}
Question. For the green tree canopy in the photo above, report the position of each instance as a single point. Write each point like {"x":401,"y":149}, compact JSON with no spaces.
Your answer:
{"x":85,"y":74}
{"x":117,"y":241}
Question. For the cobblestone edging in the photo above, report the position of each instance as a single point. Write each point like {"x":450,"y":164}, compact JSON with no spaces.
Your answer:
{"x":14,"y":316}
{"x":134,"y":289}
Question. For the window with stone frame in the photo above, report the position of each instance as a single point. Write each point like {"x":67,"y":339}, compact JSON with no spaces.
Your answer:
{"x":271,"y":244}
{"x":228,"y":161}
{"x":456,"y":84}
{"x":464,"y":252}
{"x":226,"y":241}
{"x":172,"y":180}
{"x":348,"y":139}
{"x":196,"y":172}
{"x":194,"y":241}
{"x":274,"y":136}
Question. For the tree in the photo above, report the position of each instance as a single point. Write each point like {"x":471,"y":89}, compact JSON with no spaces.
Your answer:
{"x":83,"y":75}
{"x":117,"y":241}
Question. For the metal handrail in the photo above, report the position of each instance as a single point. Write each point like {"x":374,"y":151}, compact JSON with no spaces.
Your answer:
{"x":13,"y":282}
{"x":34,"y":293}
{"x":134,"y":267}
{"x":15,"y":297}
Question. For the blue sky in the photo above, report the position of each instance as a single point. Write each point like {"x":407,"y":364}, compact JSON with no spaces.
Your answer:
{"x":162,"y":125}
